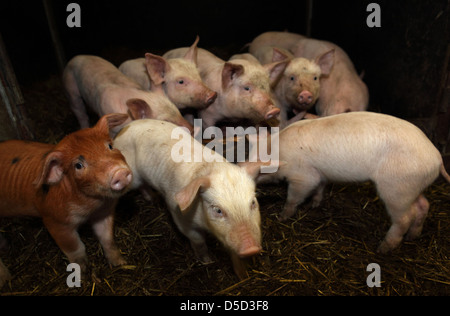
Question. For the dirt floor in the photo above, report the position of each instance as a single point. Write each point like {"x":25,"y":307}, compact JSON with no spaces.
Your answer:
{"x":321,"y":251}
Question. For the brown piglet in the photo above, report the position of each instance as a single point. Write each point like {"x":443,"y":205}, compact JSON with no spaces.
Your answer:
{"x":76,"y":181}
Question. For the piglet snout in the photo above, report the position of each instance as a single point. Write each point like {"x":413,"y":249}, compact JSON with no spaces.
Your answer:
{"x":249,"y":246}
{"x":250,"y":251}
{"x":211,"y":98}
{"x":121,"y":179}
{"x":305,"y":97}
{"x":272,"y":113}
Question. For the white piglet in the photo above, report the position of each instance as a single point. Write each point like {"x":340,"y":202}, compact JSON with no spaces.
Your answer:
{"x":342,"y":90}
{"x":242,"y":86}
{"x":216,"y":197}
{"x":178,"y":77}
{"x":95,"y":82}
{"x":361,"y":146}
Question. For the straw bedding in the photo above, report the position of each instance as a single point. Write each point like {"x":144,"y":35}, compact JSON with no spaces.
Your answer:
{"x":320,"y":251}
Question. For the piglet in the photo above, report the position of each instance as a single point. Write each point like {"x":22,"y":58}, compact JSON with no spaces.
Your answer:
{"x":243,"y":87}
{"x":360,"y":146}
{"x":76,"y":181}
{"x":342,"y":90}
{"x":299,"y":87}
{"x":203,"y":192}
{"x":96,"y":82}
{"x":179,"y":77}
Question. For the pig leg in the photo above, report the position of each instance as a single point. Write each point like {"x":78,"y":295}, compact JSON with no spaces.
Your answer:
{"x":298,"y":191}
{"x":76,"y":101}
{"x":239,"y":267}
{"x":402,"y":216}
{"x":68,"y":240}
{"x":318,"y":196}
{"x":421,"y":206}
{"x":4,"y":274}
{"x":297,"y":117}
{"x":197,"y":239}
{"x":406,"y":207}
{"x":104,"y":230}
{"x":199,"y":246}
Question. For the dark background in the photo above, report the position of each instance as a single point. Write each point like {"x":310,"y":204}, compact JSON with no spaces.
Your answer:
{"x":403,"y":60}
{"x":404,"y":63}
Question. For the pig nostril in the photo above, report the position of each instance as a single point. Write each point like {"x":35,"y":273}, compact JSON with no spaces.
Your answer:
{"x":121,"y":179}
{"x":248,"y":252}
{"x":211,"y":99}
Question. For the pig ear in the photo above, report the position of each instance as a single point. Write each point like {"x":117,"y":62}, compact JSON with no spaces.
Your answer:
{"x":115,"y":119}
{"x":254,"y":168}
{"x":230,"y":72}
{"x":157,"y":68}
{"x":279,"y":55}
{"x":326,"y":62}
{"x":187,"y":195}
{"x":52,"y":171}
{"x":191,"y":54}
{"x":139,"y":109}
{"x":276,"y":70}
{"x":109,"y":121}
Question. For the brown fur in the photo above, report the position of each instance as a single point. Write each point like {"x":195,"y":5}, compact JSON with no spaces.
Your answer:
{"x":43,"y":180}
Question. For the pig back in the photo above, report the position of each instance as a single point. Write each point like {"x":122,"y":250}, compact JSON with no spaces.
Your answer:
{"x":21,"y":163}
{"x":284,"y":40}
{"x":357,"y":146}
{"x":151,"y":149}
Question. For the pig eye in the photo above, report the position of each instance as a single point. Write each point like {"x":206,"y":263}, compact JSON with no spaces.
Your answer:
{"x":315,"y":78}
{"x":181,"y":81}
{"x":292,"y":78}
{"x":79,"y":166}
{"x":254,"y":203}
{"x":218,"y":212}
{"x":247,"y":88}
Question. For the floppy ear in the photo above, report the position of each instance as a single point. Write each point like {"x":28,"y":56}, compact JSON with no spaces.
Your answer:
{"x":156,"y":68}
{"x":139,"y":109}
{"x":191,"y":54}
{"x":52,"y":170}
{"x":187,"y":195}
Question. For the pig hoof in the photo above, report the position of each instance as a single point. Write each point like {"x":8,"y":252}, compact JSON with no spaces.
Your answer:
{"x":384,"y":248}
{"x":120,"y":261}
{"x":316,"y":203}
{"x":284,"y":216}
{"x":205,"y":259}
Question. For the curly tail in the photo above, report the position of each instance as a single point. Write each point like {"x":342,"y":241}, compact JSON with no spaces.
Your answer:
{"x":444,"y":173}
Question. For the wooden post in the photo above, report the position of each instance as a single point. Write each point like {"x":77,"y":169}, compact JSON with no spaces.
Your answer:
{"x":12,"y":119}
{"x":59,"y":51}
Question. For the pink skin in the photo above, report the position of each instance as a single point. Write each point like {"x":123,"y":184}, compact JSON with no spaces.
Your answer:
{"x":305,"y":98}
{"x":177,"y":77}
{"x":342,"y":90}
{"x":93,"y":81}
{"x":243,"y":87}
{"x":356,"y":147}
